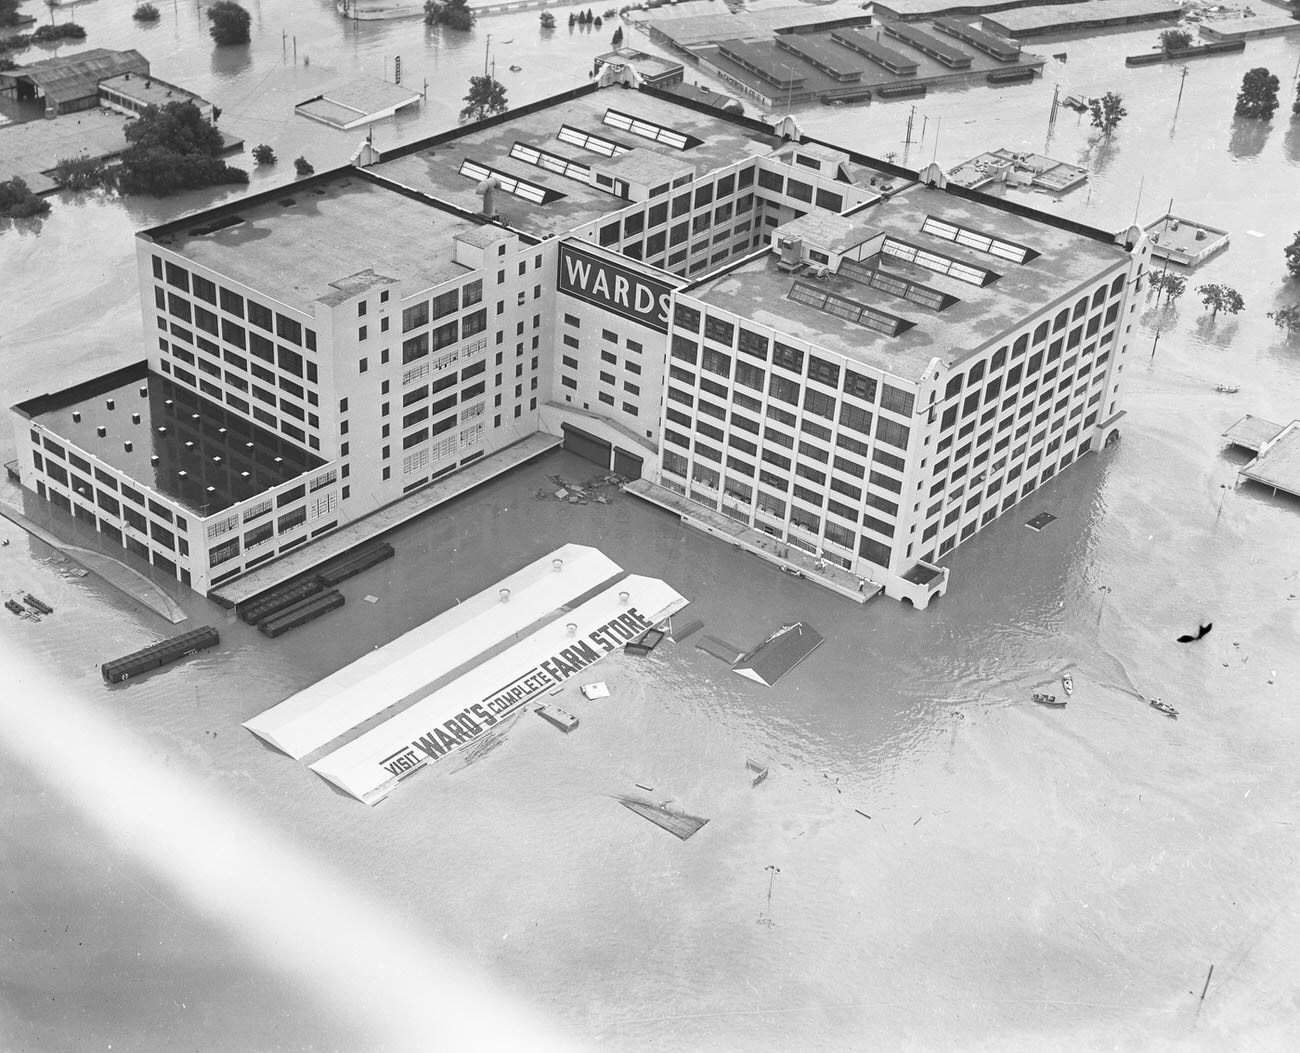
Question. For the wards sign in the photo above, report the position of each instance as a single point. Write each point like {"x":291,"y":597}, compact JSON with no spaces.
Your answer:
{"x":635,"y":296}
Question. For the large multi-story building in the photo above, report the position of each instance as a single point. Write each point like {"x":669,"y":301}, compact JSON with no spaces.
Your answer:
{"x":825,"y":349}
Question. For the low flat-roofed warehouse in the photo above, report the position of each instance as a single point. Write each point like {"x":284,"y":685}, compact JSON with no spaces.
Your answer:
{"x":1061,"y":18}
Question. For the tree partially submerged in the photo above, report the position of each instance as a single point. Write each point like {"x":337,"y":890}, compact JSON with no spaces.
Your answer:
{"x":230,"y":23}
{"x":1107,"y":112}
{"x":82,"y":173}
{"x":1287,"y":319}
{"x":1175,"y":40}
{"x":1258,"y":95}
{"x":1170,"y":286}
{"x":173,"y":148}
{"x":18,"y":202}
{"x":146,"y":13}
{"x":1223,"y":298}
{"x":454,"y":14}
{"x":302,"y":166}
{"x":263,"y":154}
{"x":1292,"y":253}
{"x":547,"y":20}
{"x":486,"y":98}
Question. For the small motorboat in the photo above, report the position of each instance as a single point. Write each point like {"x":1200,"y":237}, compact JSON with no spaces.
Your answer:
{"x":1044,"y":699}
{"x":792,"y":571}
{"x":1227,"y":389}
{"x":1067,"y":684}
{"x":515,"y":69}
{"x":1163,"y":706}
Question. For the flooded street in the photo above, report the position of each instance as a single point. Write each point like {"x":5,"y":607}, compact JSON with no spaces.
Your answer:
{"x":956,"y":868}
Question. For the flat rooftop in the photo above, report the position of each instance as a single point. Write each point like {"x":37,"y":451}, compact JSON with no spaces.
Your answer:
{"x":1252,"y":432}
{"x":433,"y":166}
{"x":1278,"y":465}
{"x":183,"y":446}
{"x":312,"y":234}
{"x":686,"y":28}
{"x":149,"y":90}
{"x":759,"y":290}
{"x":913,"y":9}
{"x":358,"y":101}
{"x":1028,"y":21}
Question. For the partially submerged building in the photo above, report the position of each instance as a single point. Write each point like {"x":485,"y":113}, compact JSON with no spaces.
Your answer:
{"x":68,"y":83}
{"x":815,"y":347}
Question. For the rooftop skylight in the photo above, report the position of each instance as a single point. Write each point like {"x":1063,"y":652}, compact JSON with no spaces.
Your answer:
{"x":849,"y":310}
{"x":535,"y":155}
{"x":588,"y":141}
{"x":938,"y":262}
{"x":649,"y":130}
{"x":974,"y":239}
{"x":534,"y":192}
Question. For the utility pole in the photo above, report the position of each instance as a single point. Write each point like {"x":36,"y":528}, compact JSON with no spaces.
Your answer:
{"x":1056,"y":104}
{"x":1181,"y":82}
{"x":486,"y":50}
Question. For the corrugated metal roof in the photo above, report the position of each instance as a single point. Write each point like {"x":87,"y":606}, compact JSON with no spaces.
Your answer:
{"x":70,"y":77}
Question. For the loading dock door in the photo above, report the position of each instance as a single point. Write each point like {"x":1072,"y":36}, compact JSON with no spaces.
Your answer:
{"x":586,"y":445}
{"x":628,"y":465}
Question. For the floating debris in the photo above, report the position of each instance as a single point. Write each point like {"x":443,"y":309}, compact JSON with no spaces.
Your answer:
{"x":1202,"y":631}
{"x":39,"y":606}
{"x":864,"y":814}
{"x":15,"y":608}
{"x":566,"y":722}
{"x":646,"y":642}
{"x":643,"y":786}
{"x":597,"y":690}
{"x":729,"y":653}
{"x":1163,"y":707}
{"x":678,"y":635}
{"x":1041,"y":520}
{"x":757,"y":770}
{"x":677,"y":823}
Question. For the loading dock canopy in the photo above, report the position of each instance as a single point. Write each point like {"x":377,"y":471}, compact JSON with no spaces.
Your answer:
{"x":407,"y":667}
{"x":459,"y":714}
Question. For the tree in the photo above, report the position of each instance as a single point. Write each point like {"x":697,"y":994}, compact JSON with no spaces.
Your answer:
{"x":618,"y":37}
{"x":548,"y":20}
{"x":303,"y":167}
{"x":146,"y":13}
{"x":1258,"y":95}
{"x":1287,"y":318}
{"x":486,"y":98}
{"x":1173,"y":39}
{"x":263,"y":154}
{"x":81,"y":173}
{"x":9,"y":15}
{"x":1221,"y":298}
{"x":17,"y":201}
{"x":1107,"y":112}
{"x":1292,"y":253}
{"x":1170,"y":286}
{"x":173,"y":148}
{"x":229,"y":23}
{"x":455,"y":14}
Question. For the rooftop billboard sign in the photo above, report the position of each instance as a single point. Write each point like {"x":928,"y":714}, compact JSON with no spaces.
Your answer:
{"x":606,"y":284}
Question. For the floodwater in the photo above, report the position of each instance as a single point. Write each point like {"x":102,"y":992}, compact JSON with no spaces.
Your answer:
{"x":949,"y":866}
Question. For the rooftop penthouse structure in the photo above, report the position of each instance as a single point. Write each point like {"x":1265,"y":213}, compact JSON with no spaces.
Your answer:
{"x":824,"y":351}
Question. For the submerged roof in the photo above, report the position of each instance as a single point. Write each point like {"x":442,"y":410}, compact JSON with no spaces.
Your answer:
{"x":69,"y":77}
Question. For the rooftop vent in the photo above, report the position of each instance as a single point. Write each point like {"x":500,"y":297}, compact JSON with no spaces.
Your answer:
{"x":135,"y":418}
{"x":101,"y":431}
{"x":110,"y":404}
{"x":76,"y":416}
{"x":153,"y":458}
{"x":144,"y":391}
{"x":128,"y":446}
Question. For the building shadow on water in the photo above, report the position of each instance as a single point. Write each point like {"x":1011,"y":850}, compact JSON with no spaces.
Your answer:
{"x":1248,"y":136}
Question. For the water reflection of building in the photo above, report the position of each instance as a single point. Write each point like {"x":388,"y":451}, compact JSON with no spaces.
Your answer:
{"x":822,"y":351}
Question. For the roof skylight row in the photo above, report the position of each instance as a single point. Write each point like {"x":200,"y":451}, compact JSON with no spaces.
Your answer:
{"x":535,"y":155}
{"x":849,"y":310}
{"x":588,"y":141}
{"x":974,"y":239}
{"x":649,"y":130}
{"x":939,"y":263}
{"x":534,"y":192}
{"x":896,"y":285}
